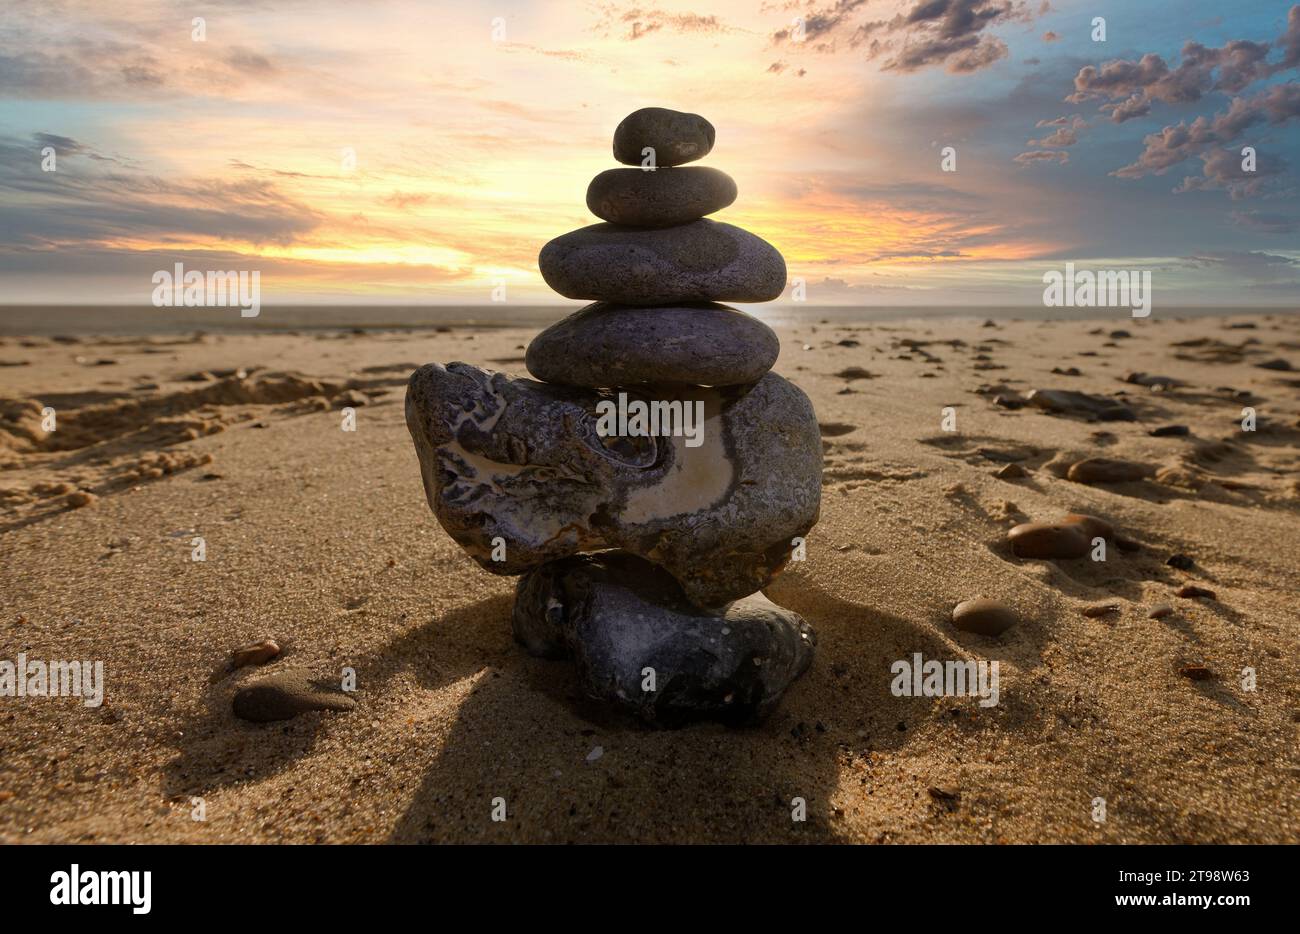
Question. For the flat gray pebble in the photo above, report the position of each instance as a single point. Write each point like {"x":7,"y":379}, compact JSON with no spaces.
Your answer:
{"x":703,"y":261}
{"x":663,"y":198}
{"x":607,"y":345}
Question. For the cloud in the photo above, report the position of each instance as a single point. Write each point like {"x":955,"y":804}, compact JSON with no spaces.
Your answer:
{"x":1256,"y":269}
{"x":1138,"y":105}
{"x":1075,"y":122}
{"x":777,"y":68}
{"x":950,"y":32}
{"x":135,"y":51}
{"x":637,"y":22}
{"x":1062,"y":137}
{"x":1131,"y":86}
{"x":1231,"y":69}
{"x":831,"y":287}
{"x":74,"y":204}
{"x":64,"y":67}
{"x":1174,"y":144}
{"x":1065,"y":134}
{"x":568,"y":55}
{"x":248,"y":62}
{"x":1289,"y":41}
{"x":65,"y":148}
{"x":819,"y":23}
{"x":931,"y":33}
{"x":923,"y":196}
{"x":1042,"y":155}
{"x":128,"y":272}
{"x":1254,"y":260}
{"x":1222,"y":169}
{"x":918,"y":254}
{"x":403,"y":200}
{"x":1260,"y":222}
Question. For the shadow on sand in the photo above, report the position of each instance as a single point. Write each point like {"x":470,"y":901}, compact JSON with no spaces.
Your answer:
{"x":571,"y":770}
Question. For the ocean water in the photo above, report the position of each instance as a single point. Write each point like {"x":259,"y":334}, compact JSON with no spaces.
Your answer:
{"x":83,"y":320}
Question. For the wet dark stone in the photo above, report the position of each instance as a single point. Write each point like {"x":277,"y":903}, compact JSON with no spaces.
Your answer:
{"x":617,"y":615}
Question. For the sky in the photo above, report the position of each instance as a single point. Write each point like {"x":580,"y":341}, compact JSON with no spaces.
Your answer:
{"x":393,"y":151}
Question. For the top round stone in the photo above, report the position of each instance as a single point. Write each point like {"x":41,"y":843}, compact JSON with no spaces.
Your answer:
{"x":675,"y":137}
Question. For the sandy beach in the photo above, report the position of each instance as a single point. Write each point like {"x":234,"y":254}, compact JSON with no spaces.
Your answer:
{"x":321,"y":539}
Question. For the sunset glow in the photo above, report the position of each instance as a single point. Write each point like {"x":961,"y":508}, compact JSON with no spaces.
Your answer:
{"x":476,"y":127}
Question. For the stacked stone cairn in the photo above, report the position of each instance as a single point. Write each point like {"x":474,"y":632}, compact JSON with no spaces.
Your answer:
{"x":642,"y":552}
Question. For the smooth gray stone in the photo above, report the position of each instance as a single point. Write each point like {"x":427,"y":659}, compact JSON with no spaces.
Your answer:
{"x":616,"y":615}
{"x":703,"y":261}
{"x":287,"y":694}
{"x":675,"y":137}
{"x":983,"y":616}
{"x":523,"y":462}
{"x":613,"y":345}
{"x":663,"y":198}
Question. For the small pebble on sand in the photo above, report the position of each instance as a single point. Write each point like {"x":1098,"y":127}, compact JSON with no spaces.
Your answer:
{"x":1101,"y":609}
{"x":1070,"y":537}
{"x":986,"y":617}
{"x":255,"y":653}
{"x":1106,"y":470}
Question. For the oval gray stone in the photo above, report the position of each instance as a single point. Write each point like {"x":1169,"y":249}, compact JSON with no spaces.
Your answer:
{"x":675,"y":137}
{"x":703,"y":261}
{"x":607,"y":345}
{"x":618,"y":615}
{"x":716,"y":504}
{"x":662,"y":198}
{"x":986,"y":617}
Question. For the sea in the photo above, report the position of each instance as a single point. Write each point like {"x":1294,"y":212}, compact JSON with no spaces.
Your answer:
{"x":85,"y":320}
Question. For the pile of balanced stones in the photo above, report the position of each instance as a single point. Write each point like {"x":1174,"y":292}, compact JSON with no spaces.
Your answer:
{"x":642,"y":553}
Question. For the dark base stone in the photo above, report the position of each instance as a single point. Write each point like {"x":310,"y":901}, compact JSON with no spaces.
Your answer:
{"x":617,"y":615}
